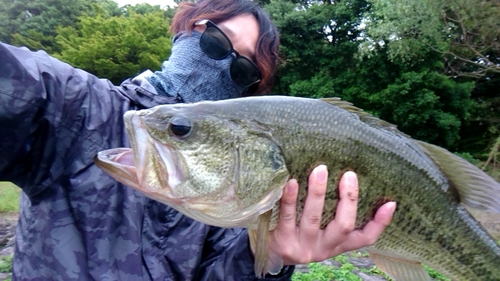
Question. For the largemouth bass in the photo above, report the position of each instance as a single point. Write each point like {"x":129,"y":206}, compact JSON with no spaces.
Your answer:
{"x":225,"y":164}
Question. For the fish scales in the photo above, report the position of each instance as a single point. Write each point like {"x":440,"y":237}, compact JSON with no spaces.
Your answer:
{"x":263,"y":140}
{"x":387,"y":166}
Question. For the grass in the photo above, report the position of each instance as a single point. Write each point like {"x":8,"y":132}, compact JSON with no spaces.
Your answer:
{"x":376,"y":271}
{"x":436,"y":275}
{"x":320,"y":272}
{"x":9,"y":197}
{"x":6,"y":266}
{"x":9,"y":202}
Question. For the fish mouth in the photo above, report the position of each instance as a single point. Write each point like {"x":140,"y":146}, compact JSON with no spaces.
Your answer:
{"x":152,"y":158}
{"x":119,"y":164}
{"x":122,"y":156}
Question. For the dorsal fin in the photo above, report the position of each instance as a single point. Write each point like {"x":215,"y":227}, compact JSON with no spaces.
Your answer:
{"x":476,"y":188}
{"x":364,"y":116}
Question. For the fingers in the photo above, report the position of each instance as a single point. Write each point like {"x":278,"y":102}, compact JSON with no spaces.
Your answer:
{"x":382,"y":219}
{"x":372,"y":231}
{"x":345,"y":218}
{"x":313,"y":207}
{"x":288,"y":208}
{"x":306,"y":242}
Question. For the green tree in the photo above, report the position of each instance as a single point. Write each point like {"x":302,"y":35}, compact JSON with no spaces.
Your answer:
{"x":481,"y":131}
{"x":143,"y":8}
{"x":320,"y":50}
{"x":319,"y":40}
{"x":116,"y":47}
{"x":33,"y":23}
{"x":417,"y":97}
{"x":467,"y":33}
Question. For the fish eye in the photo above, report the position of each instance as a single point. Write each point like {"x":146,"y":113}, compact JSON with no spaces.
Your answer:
{"x":180,"y":126}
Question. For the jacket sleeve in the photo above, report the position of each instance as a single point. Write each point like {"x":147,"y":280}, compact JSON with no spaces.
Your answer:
{"x":227,"y":256}
{"x":43,"y":105}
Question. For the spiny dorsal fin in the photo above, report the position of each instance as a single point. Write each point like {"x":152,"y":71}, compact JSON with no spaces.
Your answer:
{"x":476,"y":188}
{"x":363,"y":115}
{"x":400,"y":269}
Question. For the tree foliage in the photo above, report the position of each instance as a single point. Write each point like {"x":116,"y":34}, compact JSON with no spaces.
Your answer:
{"x":116,"y":47}
{"x":316,"y":39}
{"x":466,"y":31}
{"x":422,"y":101}
{"x":143,"y":9}
{"x":320,"y":49}
{"x":407,"y":62}
{"x":33,"y":23}
{"x":96,"y":35}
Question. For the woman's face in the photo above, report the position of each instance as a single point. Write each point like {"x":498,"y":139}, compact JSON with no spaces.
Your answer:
{"x":243,"y":31}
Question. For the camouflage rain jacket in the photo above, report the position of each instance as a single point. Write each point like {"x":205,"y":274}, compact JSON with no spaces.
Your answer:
{"x":76,"y":223}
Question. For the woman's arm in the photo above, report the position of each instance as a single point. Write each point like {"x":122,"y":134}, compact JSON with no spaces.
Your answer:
{"x":43,"y":106}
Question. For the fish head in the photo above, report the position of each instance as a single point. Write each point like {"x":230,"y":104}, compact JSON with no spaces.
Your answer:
{"x":220,"y":171}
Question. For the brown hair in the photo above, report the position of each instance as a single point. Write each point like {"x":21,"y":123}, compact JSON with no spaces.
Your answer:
{"x":266,"y":55}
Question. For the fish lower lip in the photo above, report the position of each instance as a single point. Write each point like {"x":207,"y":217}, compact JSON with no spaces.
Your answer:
{"x":125,"y":157}
{"x":122,"y":156}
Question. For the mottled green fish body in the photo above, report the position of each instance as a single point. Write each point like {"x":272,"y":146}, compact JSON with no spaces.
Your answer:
{"x":267,"y":140}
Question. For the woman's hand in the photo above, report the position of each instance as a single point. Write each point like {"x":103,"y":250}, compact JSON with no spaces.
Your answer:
{"x":306,"y":242}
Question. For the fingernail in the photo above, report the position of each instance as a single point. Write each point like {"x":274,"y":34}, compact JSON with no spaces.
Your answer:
{"x":321,"y":174}
{"x":290,"y":189}
{"x":392,"y":206}
{"x":349,"y":177}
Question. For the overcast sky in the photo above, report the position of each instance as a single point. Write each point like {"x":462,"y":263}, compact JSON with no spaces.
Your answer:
{"x":151,"y":2}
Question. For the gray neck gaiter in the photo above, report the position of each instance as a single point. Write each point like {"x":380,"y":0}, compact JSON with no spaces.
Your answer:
{"x":191,"y":75}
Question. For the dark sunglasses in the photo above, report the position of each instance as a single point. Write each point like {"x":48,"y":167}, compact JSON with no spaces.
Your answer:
{"x":217,"y":45}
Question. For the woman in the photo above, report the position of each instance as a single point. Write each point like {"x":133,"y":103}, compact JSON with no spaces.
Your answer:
{"x":76,"y":223}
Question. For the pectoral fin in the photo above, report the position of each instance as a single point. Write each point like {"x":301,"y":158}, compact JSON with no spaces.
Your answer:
{"x":265,"y":262}
{"x":400,"y":269}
